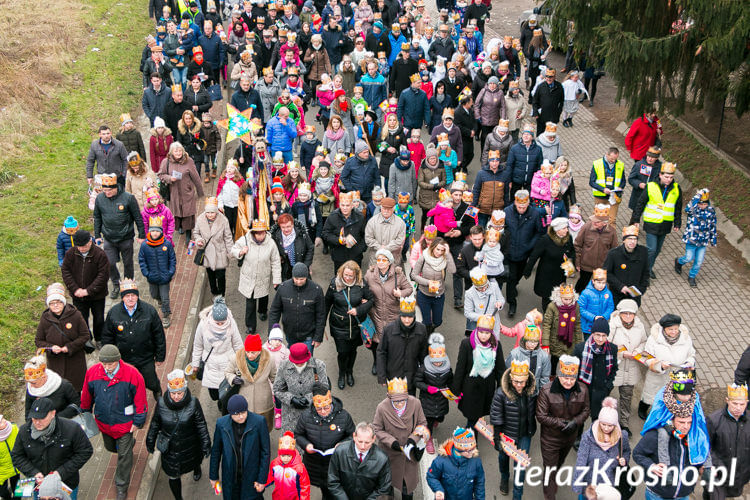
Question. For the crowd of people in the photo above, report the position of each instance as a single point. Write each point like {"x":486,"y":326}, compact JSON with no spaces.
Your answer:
{"x":375,"y":77}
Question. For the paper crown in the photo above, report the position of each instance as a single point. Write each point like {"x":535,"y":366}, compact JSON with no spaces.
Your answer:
{"x":430,"y":232}
{"x":567,"y":290}
{"x":574,"y":209}
{"x":407,"y":304}
{"x":322,"y":401}
{"x":464,"y":439}
{"x":127,"y":285}
{"x":346,"y":197}
{"x":522,"y":196}
{"x":292,"y":165}
{"x":176,"y":88}
{"x":429,"y":30}
{"x":519,"y":368}
{"x":304,"y":187}
{"x":465,"y":93}
{"x":211,"y":202}
{"x":668,"y":168}
{"x":109,"y":180}
{"x":550,"y":72}
{"x":532,"y":332}
{"x":436,"y":350}
{"x":493,"y":154}
{"x":152,"y":193}
{"x":493,"y":235}
{"x":176,"y":380}
{"x":381,"y":54}
{"x":503,"y":124}
{"x":278,"y":159}
{"x":478,"y":276}
{"x":601,"y":210}
{"x":310,"y":129}
{"x":467,"y":197}
{"x":405,"y":46}
{"x":654,"y":151}
{"x":287,"y":443}
{"x":567,"y":366}
{"x":259,"y":225}
{"x":514,"y":84}
{"x":403,"y":197}
{"x":267,"y":71}
{"x":450,"y":65}
{"x":398,"y":386}
{"x":293,"y":71}
{"x":460,"y":176}
{"x":415,"y":78}
{"x":599,"y":274}
{"x":35,"y":367}
{"x":735,"y":391}
{"x":486,"y":323}
{"x":550,"y":128}
{"x":447,"y":113}
{"x":444,"y":195}
{"x":628,"y":231}
{"x":497,"y":218}
{"x":546,"y":167}
{"x":705,"y":194}
{"x":683,"y":376}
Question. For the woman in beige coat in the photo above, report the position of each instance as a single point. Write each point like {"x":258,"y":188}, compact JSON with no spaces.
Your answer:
{"x":430,"y":272}
{"x":388,"y":284}
{"x":515,"y":109}
{"x":430,"y":179}
{"x":261,"y":269}
{"x":139,"y":179}
{"x":253,"y":370}
{"x":213,"y":233}
{"x":628,"y":332}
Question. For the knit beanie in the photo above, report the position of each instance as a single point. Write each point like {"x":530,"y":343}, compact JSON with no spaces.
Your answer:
{"x":109,"y":353}
{"x":52,"y":487}
{"x":608,"y":413}
{"x":81,"y":237}
{"x":600,"y":325}
{"x":219,"y":311}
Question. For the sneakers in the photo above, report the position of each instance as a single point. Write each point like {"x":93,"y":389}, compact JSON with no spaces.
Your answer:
{"x":677,"y":265}
{"x":213,"y":173}
{"x":166,"y":321}
{"x":115,"y":292}
{"x":277,"y":418}
{"x":692,"y":282}
{"x":430,"y":447}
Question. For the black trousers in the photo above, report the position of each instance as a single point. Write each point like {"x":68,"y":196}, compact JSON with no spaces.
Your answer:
{"x":468,"y":144}
{"x":338,"y":263}
{"x":148,"y":371}
{"x":346,"y":361}
{"x":583,"y":280}
{"x":515,"y":273}
{"x":96,"y":309}
{"x":487,"y":130}
{"x":250,"y":320}
{"x":231,"y":214}
{"x":217,"y":281}
{"x":8,"y":487}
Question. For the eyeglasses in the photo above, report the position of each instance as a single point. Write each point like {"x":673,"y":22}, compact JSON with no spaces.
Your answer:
{"x":382,"y":259}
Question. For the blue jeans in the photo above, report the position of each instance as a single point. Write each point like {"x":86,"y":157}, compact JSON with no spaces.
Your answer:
{"x":482,"y":219}
{"x":650,"y":495}
{"x":432,"y":308}
{"x":288,"y":155}
{"x":179,"y":76}
{"x":695,"y":254}
{"x":654,"y":243}
{"x":523,"y":443}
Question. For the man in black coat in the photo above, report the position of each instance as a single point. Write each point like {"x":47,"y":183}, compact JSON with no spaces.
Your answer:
{"x":523,"y":223}
{"x":454,"y":82}
{"x":644,"y":171}
{"x":174,"y":108}
{"x":358,"y":469}
{"x":47,"y":444}
{"x":401,"y":71}
{"x":303,"y":249}
{"x":403,"y":346}
{"x":627,"y":266}
{"x":443,"y":45}
{"x":548,"y":100}
{"x":596,"y":373}
{"x":344,"y":233}
{"x":246,"y":96}
{"x":467,"y":124}
{"x":729,"y":436}
{"x":325,"y":425}
{"x":135,"y":328}
{"x":299,"y":305}
{"x":155,"y":98}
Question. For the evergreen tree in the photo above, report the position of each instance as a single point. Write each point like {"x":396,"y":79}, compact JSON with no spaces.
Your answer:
{"x":664,"y":51}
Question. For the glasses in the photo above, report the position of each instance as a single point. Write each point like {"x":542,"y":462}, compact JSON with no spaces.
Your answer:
{"x":382,"y":260}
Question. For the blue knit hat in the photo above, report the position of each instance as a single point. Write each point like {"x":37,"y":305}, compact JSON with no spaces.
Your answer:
{"x":70,"y":222}
{"x":219,"y":310}
{"x":378,"y":24}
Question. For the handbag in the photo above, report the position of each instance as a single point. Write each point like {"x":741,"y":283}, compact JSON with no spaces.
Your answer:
{"x":200,"y":253}
{"x":215,"y":92}
{"x":162,"y":439}
{"x":626,"y":489}
{"x":88,"y":347}
{"x":202,"y":365}
{"x":226,"y":391}
{"x":86,"y":420}
{"x":366,"y":327}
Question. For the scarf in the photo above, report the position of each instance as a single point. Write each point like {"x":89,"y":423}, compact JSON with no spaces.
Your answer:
{"x":344,"y":106}
{"x":589,"y":350}
{"x":430,"y":367}
{"x":604,"y":445}
{"x":484,"y":360}
{"x":394,"y":130}
{"x":335,"y":136}
{"x":575,"y":226}
{"x":383,"y":277}
{"x":670,"y":340}
{"x":51,"y":385}
{"x":440,"y":98}
{"x":218,"y":333}
{"x":252,"y":365}
{"x":399,"y":412}
{"x":44,"y":434}
{"x":323,"y":184}
{"x":152,"y":242}
{"x":308,"y":213}
{"x":437,"y":264}
{"x":565,"y":327}
{"x":287,"y":241}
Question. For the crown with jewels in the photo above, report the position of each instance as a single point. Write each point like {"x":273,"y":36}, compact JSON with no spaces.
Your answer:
{"x":486,"y":323}
{"x":567,"y":290}
{"x":519,"y":368}
{"x":599,"y":274}
{"x":408,"y":304}
{"x":398,"y":386}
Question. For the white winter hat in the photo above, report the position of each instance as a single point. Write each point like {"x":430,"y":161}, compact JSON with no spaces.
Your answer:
{"x":276,"y":333}
{"x":559,"y":223}
{"x":159,"y":122}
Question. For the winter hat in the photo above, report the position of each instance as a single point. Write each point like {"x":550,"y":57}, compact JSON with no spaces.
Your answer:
{"x":378,"y":24}
{"x":287,"y":443}
{"x":41,"y":408}
{"x":7,"y":430}
{"x":360,"y":146}
{"x":277,"y":187}
{"x":52,"y":487}
{"x":219,"y":311}
{"x":237,"y":404}
{"x":559,"y":223}
{"x":384,"y":252}
{"x":431,"y":151}
{"x":608,"y":413}
{"x":159,"y":122}
{"x":56,"y":291}
{"x":276,"y":333}
{"x":628,"y":305}
{"x":404,"y":153}
{"x":600,"y":325}
{"x":493,"y":79}
{"x":253,"y":343}
{"x":176,"y":381}
{"x":81,"y":237}
{"x":300,"y":270}
{"x":109,"y":353}
{"x":309,"y":5}
{"x":299,"y":353}
{"x":669,"y":320}
{"x":70,"y":222}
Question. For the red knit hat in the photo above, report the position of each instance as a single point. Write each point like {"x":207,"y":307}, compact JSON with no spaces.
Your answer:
{"x":339,"y":93}
{"x":253,"y":343}
{"x":299,"y":353}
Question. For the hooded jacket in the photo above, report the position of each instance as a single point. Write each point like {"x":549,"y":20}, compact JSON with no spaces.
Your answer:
{"x":158,"y":263}
{"x":360,"y":175}
{"x":511,"y":413}
{"x":491,"y":189}
{"x":458,"y":478}
{"x":290,"y":481}
{"x":593,"y":303}
{"x":496,"y":143}
{"x":551,"y":149}
{"x":551,"y":322}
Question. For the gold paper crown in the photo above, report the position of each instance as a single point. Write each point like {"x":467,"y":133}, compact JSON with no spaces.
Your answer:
{"x":405,"y":46}
{"x":507,"y":39}
{"x":403,"y":197}
{"x":430,"y":232}
{"x":478,"y":276}
{"x":493,"y":235}
{"x":347,"y":197}
{"x":35,"y":367}
{"x":486,"y":323}
{"x":503,"y":123}
{"x":735,"y":391}
{"x":550,"y":128}
{"x":497,"y":218}
{"x":176,"y":88}
{"x":568,"y":366}
{"x":437,"y":351}
{"x":381,"y":54}
{"x":601,"y":210}
{"x":212,"y":202}
{"x":287,"y":442}
{"x":704,"y":194}
{"x":493,"y":154}
{"x":550,"y":71}
{"x":407,"y":304}
{"x":128,"y":285}
{"x":465,"y":93}
{"x":259,"y":225}
{"x":599,"y":274}
{"x":522,"y":196}
{"x":444,"y":195}
{"x":519,"y":368}
{"x":683,"y":376}
{"x":514,"y":84}
{"x":567,"y":290}
{"x":322,"y":401}
{"x":460,"y":176}
{"x":293,"y":71}
{"x":292,"y":165}
{"x":668,"y":168}
{"x":177,"y":382}
{"x":546,"y":167}
{"x":532,"y":332}
{"x":630,"y":231}
{"x":109,"y":180}
{"x":267,"y":71}
{"x":447,"y":113}
{"x":467,"y":197}
{"x":397,"y":386}
{"x":450,"y":65}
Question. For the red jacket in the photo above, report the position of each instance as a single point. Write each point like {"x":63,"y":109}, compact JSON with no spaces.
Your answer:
{"x":291,"y":481}
{"x":641,"y":136}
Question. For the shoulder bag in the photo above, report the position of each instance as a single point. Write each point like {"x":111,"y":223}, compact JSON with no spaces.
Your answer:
{"x":200,"y":253}
{"x":163,"y":439}
{"x":86,"y":420}
{"x":226,"y":391}
{"x":624,"y":487}
{"x":88,"y":347}
{"x":202,"y":365}
{"x":366,"y":327}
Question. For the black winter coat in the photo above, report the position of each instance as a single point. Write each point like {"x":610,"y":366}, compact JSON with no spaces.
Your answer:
{"x":61,"y":398}
{"x":400,"y":355}
{"x":550,"y":100}
{"x":132,"y":141}
{"x":626,"y":269}
{"x":524,"y":230}
{"x":646,"y":454}
{"x":354,"y":226}
{"x":114,"y":217}
{"x":511,"y":413}
{"x":172,"y":114}
{"x":433,"y":405}
{"x":139,"y":338}
{"x":730,"y":439}
{"x":601,"y":383}
{"x":303,"y":249}
{"x":742,"y":372}
{"x":549,"y":251}
{"x":323,"y":433}
{"x":66,"y":451}
{"x":350,"y":478}
{"x":477,"y":391}
{"x":200,"y":99}
{"x":465,"y":261}
{"x":303,"y":309}
{"x":343,"y":327}
{"x":185,"y":426}
{"x":386,"y":158}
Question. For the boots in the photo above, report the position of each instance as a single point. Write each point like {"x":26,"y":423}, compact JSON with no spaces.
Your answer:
{"x":207,"y":179}
{"x":277,"y":418}
{"x":213,"y":173}
{"x":643,"y":410}
{"x":512,"y":309}
{"x":350,"y":379}
{"x":342,"y":380}
{"x":677,"y":265}
{"x":504,"y":487}
{"x":692,"y":282}
{"x":430,"y":447}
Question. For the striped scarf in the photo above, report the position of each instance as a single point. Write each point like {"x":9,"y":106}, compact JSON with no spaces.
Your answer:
{"x":589,"y":350}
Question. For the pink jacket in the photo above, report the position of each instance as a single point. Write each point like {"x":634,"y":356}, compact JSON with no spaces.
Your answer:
{"x":416,"y":251}
{"x":286,"y":477}
{"x":325,"y":97}
{"x":540,"y":187}
{"x":164,"y":215}
{"x":443,"y":218}
{"x":516,"y":330}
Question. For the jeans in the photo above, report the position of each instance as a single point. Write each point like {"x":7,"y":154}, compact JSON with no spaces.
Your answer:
{"x":695,"y":254}
{"x":114,"y":251}
{"x":523,"y":443}
{"x":96,"y":308}
{"x":209,"y":162}
{"x":432,"y":308}
{"x":482,"y":219}
{"x":654,"y":243}
{"x":650,"y":495}
{"x":179,"y":76}
{"x":161,"y":293}
{"x":123,"y":446}
{"x":288,"y":155}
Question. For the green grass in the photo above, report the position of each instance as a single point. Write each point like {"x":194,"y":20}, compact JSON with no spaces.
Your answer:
{"x":98,"y":87}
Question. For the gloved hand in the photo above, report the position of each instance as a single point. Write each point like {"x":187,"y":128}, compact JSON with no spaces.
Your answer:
{"x":238,"y":381}
{"x":300,"y":402}
{"x":432,"y":389}
{"x":570,"y":426}
{"x":395,"y":446}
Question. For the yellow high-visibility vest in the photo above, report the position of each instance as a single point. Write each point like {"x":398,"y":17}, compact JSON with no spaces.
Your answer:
{"x":658,"y":209}
{"x":600,"y":176}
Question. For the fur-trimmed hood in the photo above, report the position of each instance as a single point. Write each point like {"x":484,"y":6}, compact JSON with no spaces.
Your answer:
{"x":555,"y":296}
{"x":183,"y":129}
{"x":447,"y":446}
{"x":505,"y":384}
{"x":557,"y":240}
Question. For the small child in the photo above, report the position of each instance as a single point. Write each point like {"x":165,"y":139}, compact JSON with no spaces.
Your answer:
{"x":358,"y":100}
{"x":357,"y":204}
{"x":442,"y":213}
{"x":321,"y":154}
{"x":575,"y":221}
{"x":416,"y":148}
{"x":210,"y":133}
{"x":432,"y":375}
{"x":448,"y":157}
{"x":278,"y":204}
{"x":94,"y":190}
{"x":572,"y":90}
{"x":401,"y":174}
{"x":287,"y":472}
{"x":555,"y":207}
{"x":527,"y":348}
{"x":519,"y":330}
{"x":155,"y":212}
{"x":383,"y":67}
{"x":158,"y":263}
{"x":700,"y":231}
{"x":374,"y":206}
{"x":490,"y":258}
{"x":308,"y":213}
{"x":406,"y":212}
{"x":65,"y":238}
{"x":279,"y":352}
{"x":308,"y":148}
{"x":130,"y":137}
{"x":427,"y":85}
{"x":228,"y":192}
{"x":595,"y":300}
{"x":540,"y":185}
{"x":278,"y":166}
{"x":325,"y":190}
